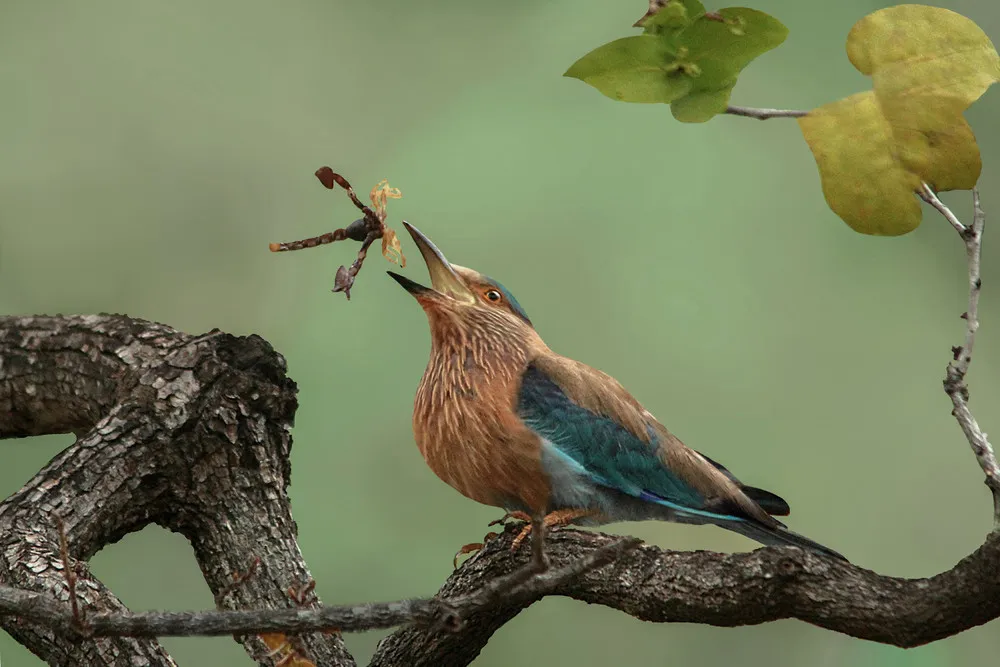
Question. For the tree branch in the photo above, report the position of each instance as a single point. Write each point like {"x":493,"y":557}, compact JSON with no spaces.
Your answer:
{"x":764,"y":114}
{"x":725,"y":590}
{"x":433,"y":612}
{"x":190,"y":433}
{"x":954,"y":382}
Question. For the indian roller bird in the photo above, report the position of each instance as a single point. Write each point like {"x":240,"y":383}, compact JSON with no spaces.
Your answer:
{"x":509,"y":423}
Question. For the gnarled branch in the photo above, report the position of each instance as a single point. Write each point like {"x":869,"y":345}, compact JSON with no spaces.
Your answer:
{"x":769,"y":584}
{"x":190,"y":433}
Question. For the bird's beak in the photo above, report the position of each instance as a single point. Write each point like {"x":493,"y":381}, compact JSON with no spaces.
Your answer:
{"x":444,"y":278}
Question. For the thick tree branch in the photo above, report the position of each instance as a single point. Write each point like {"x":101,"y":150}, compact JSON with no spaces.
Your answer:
{"x":188,"y":433}
{"x":727,"y":590}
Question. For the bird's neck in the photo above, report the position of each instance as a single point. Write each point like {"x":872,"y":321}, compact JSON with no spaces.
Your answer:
{"x":464,"y":418}
{"x":472,"y":376}
{"x":472,"y":366}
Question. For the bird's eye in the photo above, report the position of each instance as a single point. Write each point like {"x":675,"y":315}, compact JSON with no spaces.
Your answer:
{"x":493,"y":295}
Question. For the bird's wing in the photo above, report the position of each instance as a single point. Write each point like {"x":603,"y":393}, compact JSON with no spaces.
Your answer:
{"x":591,"y":419}
{"x":772,"y":503}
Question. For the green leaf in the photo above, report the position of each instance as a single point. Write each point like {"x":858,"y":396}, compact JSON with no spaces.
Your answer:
{"x":633,"y":69}
{"x":742,"y":36}
{"x":927,"y":66}
{"x":672,"y":17}
{"x":721,"y":50}
{"x":700,"y":107}
{"x":684,"y":52}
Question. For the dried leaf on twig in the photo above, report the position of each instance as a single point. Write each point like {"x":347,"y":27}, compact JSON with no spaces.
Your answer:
{"x":364,"y":230}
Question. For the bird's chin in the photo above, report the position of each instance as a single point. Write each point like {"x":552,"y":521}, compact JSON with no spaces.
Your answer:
{"x":433,"y":301}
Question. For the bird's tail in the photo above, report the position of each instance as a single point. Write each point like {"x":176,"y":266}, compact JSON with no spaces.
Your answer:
{"x":778,"y":536}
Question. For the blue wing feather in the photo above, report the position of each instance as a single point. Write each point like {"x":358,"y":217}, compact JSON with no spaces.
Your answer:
{"x":603,"y":451}
{"x":595,"y":463}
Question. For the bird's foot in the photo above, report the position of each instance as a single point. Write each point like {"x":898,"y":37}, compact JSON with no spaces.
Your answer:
{"x":475,"y":547}
{"x":552,"y":520}
{"x":472,"y":548}
{"x":516,"y":515}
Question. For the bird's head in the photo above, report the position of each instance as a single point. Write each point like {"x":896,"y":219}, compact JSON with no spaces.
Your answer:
{"x":461,"y":296}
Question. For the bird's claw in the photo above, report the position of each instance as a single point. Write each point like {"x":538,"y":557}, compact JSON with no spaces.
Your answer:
{"x":521,"y":537}
{"x":516,"y":515}
{"x":552,"y":520}
{"x":472,"y":548}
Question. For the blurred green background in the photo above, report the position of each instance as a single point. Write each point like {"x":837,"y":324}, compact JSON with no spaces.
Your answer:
{"x":149,"y":152}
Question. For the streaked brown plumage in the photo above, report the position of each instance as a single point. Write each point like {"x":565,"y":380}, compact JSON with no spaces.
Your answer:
{"x":508,"y":422}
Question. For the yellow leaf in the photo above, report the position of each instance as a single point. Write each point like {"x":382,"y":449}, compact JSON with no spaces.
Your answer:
{"x":911,"y":48}
{"x":927,"y":66}
{"x":862,"y":182}
{"x":274,"y":640}
{"x":380,"y":194}
{"x":280,"y":647}
{"x":391,"y":249}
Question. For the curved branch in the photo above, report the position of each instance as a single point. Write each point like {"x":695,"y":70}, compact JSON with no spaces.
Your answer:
{"x":726,"y":590}
{"x":190,"y":433}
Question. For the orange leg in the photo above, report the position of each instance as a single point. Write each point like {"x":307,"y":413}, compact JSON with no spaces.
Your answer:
{"x":474,"y":547}
{"x":551,"y":520}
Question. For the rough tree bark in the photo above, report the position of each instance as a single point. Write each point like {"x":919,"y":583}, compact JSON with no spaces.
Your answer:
{"x":190,"y":433}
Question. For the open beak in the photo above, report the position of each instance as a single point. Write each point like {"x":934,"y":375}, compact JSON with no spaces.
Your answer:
{"x":444,"y":279}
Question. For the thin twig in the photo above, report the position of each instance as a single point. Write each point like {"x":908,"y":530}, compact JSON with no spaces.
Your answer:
{"x":366,"y":230}
{"x":69,"y":573}
{"x":239,"y":578}
{"x":218,"y":622}
{"x":47,"y":611}
{"x":929,"y":196}
{"x":764,"y":114}
{"x":954,"y":382}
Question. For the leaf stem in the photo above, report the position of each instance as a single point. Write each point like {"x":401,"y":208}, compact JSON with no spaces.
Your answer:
{"x":929,"y":196}
{"x":764,"y":114}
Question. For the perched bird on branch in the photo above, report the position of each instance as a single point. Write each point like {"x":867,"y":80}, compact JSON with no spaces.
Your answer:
{"x":509,"y":423}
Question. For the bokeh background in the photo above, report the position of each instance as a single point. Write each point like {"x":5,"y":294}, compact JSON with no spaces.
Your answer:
{"x":149,"y":151}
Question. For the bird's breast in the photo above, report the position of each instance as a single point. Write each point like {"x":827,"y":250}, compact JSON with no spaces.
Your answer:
{"x":467,"y":430}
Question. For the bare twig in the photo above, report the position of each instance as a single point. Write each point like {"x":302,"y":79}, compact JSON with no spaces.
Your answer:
{"x":218,"y":622}
{"x":526,"y":580}
{"x":70,"y":575}
{"x":366,"y":230}
{"x":954,"y":382}
{"x":764,"y":114}
{"x":928,"y":195}
{"x":239,"y":578}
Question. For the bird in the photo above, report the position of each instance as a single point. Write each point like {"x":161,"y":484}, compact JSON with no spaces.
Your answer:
{"x":509,"y":423}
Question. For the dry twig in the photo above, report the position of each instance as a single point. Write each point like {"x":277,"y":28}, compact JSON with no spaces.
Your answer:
{"x":954,"y":383}
{"x":366,"y":230}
